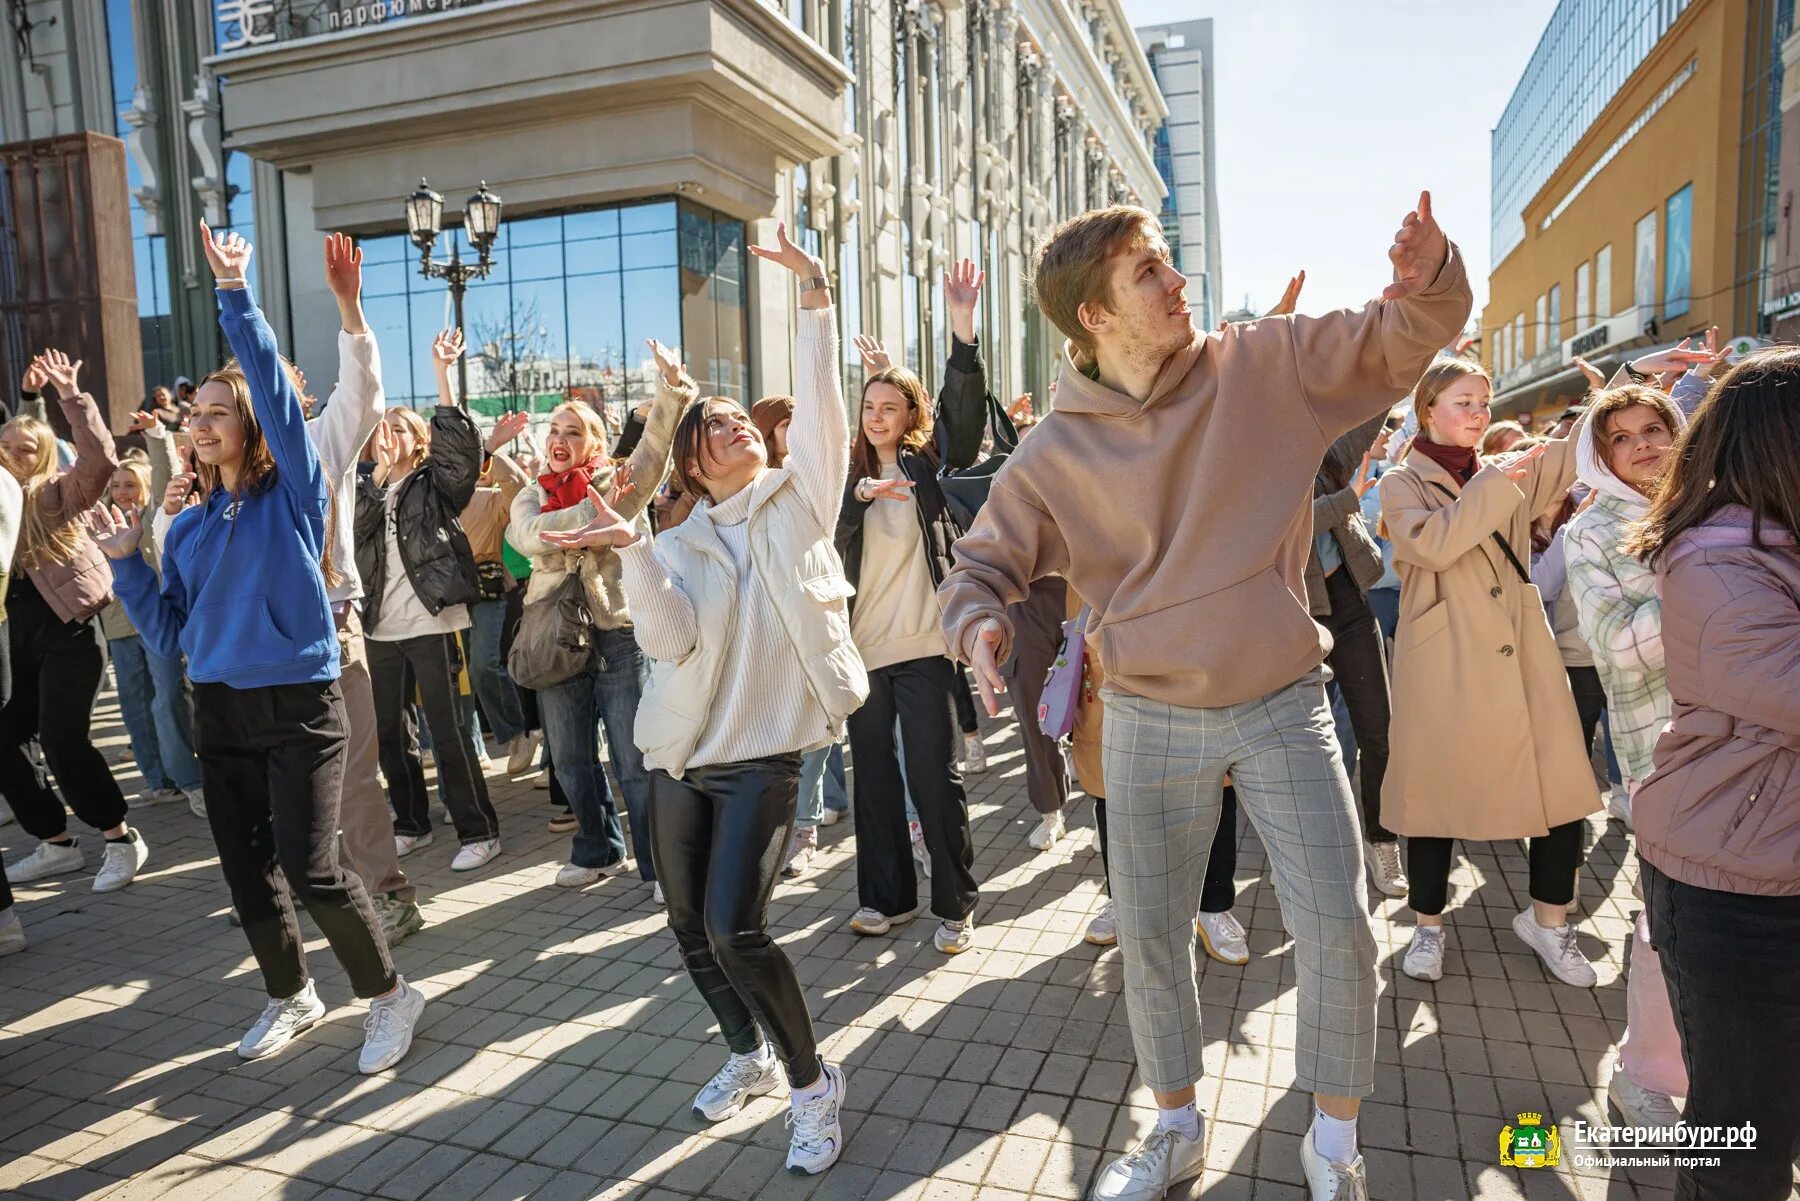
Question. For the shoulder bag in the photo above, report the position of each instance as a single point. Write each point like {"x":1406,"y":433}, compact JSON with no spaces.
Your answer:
{"x":556,"y":637}
{"x":965,"y":489}
{"x":1062,"y":686}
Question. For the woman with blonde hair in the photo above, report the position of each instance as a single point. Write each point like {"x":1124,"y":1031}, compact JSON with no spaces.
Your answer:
{"x":1474,"y":659}
{"x":54,"y":595}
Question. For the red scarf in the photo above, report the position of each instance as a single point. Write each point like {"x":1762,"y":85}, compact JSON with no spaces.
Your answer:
{"x":566,"y":489}
{"x":1459,"y":461}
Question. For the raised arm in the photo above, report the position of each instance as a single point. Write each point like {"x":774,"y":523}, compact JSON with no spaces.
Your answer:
{"x":650,"y":457}
{"x":962,"y":407}
{"x":69,"y":495}
{"x":356,"y":403}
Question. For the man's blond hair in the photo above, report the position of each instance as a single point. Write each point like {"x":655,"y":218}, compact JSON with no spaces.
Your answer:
{"x":1073,"y":265}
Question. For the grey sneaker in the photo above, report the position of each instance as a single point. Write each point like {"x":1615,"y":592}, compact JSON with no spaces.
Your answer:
{"x":1161,"y":1160}
{"x":742,"y":1077}
{"x":398,"y":918}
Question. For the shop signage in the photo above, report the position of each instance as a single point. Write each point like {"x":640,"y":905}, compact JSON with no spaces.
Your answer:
{"x":245,"y":23}
{"x":1781,"y":306}
{"x":1620,"y":327}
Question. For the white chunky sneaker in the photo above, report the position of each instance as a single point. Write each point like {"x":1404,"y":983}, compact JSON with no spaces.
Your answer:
{"x":742,"y":1077}
{"x":476,"y":854}
{"x":1640,"y":1106}
{"x":1385,"y":870}
{"x":46,"y":859}
{"x":1161,"y":1160}
{"x":1049,"y":830}
{"x":119,"y":865}
{"x":12,"y":932}
{"x":818,"y":1135}
{"x":571,"y":876}
{"x":406,"y":844}
{"x":1557,"y":949}
{"x":1224,"y":937}
{"x":656,"y":892}
{"x":196,"y":799}
{"x":1330,"y":1181}
{"x":830,"y":817}
{"x":1618,"y":805}
{"x":975,"y":759}
{"x":920,"y":852}
{"x":953,"y":938}
{"x":1103,"y":928}
{"x":873,"y":921}
{"x":1424,"y":959}
{"x":388,"y":1030}
{"x":800,"y":850}
{"x":521,"y":752}
{"x":281,"y":1019}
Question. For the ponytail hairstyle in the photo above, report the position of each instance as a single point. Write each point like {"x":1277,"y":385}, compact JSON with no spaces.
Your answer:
{"x":1741,"y":447}
{"x":43,"y":541}
{"x":257,"y":471}
{"x":865,"y":462}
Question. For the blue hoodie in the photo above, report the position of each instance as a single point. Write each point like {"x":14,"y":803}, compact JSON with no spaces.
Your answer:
{"x":242,"y":594}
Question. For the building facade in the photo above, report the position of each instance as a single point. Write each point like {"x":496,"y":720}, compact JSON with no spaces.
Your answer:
{"x":1783,"y":306}
{"x":639,"y":147}
{"x":1181,"y":56}
{"x":1607,"y":240}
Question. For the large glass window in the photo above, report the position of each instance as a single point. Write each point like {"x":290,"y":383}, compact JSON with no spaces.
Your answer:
{"x":568,"y":307}
{"x":1678,"y":251}
{"x":1584,"y":297}
{"x":1643,"y":280}
{"x":1603,"y":282}
{"x":1556,"y":325}
{"x":150,"y":252}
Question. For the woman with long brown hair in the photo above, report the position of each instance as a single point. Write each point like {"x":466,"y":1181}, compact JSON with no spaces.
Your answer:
{"x":53,"y":601}
{"x":243,"y":594}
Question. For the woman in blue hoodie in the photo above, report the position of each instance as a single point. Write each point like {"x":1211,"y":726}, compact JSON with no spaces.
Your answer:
{"x":243,"y":597}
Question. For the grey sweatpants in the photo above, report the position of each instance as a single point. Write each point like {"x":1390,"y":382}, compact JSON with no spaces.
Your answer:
{"x":1165,"y":769}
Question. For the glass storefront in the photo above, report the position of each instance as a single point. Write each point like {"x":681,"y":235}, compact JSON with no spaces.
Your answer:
{"x":150,"y":252}
{"x":568,"y":308}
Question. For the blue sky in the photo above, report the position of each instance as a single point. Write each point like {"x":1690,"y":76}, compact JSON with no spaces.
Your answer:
{"x":1333,"y":114}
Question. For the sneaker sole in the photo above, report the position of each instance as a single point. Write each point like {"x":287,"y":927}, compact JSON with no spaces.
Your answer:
{"x":1412,"y":975}
{"x":773,"y":1083}
{"x":302,"y":1028}
{"x":1094,"y":941}
{"x":1212,"y":952}
{"x":33,"y":879}
{"x":475,"y":867}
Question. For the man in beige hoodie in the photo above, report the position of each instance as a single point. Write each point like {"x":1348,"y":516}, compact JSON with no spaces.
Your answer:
{"x":1171,"y":486}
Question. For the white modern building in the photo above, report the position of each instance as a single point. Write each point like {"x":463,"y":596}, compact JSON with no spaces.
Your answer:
{"x":1181,"y":55}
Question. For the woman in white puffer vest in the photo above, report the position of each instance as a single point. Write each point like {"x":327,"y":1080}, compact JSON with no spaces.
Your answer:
{"x":741,"y":609}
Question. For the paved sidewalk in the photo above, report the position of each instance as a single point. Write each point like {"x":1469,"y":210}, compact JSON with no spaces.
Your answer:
{"x":562,"y":1045}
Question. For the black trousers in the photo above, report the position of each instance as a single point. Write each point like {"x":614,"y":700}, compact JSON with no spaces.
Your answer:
{"x":1733,"y":976}
{"x":1555,"y":858}
{"x":273,"y":762}
{"x":717,"y":838}
{"x":1037,"y":633}
{"x":1218,"y":890}
{"x":964,"y":696}
{"x":913,"y":691}
{"x":56,"y":670}
{"x":1359,"y":664}
{"x":429,"y":663}
{"x":6,"y":897}
{"x":1590,"y":702}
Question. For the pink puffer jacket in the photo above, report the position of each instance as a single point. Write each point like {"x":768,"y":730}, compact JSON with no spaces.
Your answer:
{"x":1722,"y":808}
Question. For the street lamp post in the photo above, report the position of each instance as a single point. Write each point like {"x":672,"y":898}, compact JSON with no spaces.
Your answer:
{"x":481,"y":220}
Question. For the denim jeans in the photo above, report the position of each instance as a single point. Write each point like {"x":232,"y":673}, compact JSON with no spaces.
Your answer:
{"x":608,"y":691}
{"x":153,"y":701}
{"x":487,"y":670}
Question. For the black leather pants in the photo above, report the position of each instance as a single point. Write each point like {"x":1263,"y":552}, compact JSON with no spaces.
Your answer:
{"x":717,"y":836}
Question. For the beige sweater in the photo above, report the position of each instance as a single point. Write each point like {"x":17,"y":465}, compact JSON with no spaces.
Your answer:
{"x":896,"y":616}
{"x":1186,"y":519}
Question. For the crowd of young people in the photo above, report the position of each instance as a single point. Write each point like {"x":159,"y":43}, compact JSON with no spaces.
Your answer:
{"x":292,"y":597}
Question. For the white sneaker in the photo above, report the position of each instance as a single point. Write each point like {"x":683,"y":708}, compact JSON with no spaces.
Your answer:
{"x":1618,"y":805}
{"x":1329,"y":1181}
{"x":920,"y":852}
{"x":521,"y":752}
{"x":1103,"y":929}
{"x":873,"y":921}
{"x":953,"y":938}
{"x":656,"y":892}
{"x":406,"y":844}
{"x":196,"y":799}
{"x":742,"y":1077}
{"x":1224,"y":937}
{"x":281,"y":1019}
{"x":1050,"y":828}
{"x":571,"y":876}
{"x":475,"y":855}
{"x":1557,"y":949}
{"x":1640,"y":1106}
{"x":975,"y":759}
{"x":120,"y":864}
{"x":388,"y":1030}
{"x":1385,"y":870}
{"x":830,"y":817}
{"x":802,"y":845}
{"x":1424,"y":959}
{"x":1161,"y":1160}
{"x":159,"y":796}
{"x":46,"y":859}
{"x":12,"y":933}
{"x":818,"y":1135}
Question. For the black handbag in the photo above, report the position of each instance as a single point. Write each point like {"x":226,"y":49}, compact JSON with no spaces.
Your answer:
{"x":555,"y":641}
{"x":965,"y":489}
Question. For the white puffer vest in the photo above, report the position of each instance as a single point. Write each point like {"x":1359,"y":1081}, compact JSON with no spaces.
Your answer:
{"x":798,"y":566}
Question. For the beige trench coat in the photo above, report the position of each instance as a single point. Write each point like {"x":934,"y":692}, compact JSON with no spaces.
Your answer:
{"x":1485,"y":742}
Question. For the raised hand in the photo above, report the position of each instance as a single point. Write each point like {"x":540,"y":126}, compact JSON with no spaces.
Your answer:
{"x":1365,"y":478}
{"x":228,"y":254}
{"x":343,"y":274}
{"x":446,"y":348}
{"x":1720,"y":358}
{"x":1289,"y":298}
{"x":984,"y":663}
{"x":668,"y":362}
{"x":606,"y":529}
{"x":962,"y":289}
{"x":1020,"y":407}
{"x":508,"y":427}
{"x":1595,"y":380}
{"x":387,"y":451}
{"x":141,"y":421}
{"x":788,"y":255}
{"x":116,"y":533}
{"x":60,"y":373}
{"x":874,"y":354}
{"x":1672,"y":362}
{"x":621,"y":486}
{"x":35,"y":376}
{"x":1520,"y":468}
{"x":179,"y":494}
{"x":1418,"y":252}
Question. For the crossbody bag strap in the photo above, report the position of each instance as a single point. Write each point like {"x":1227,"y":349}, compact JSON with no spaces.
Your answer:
{"x":1505,"y":546}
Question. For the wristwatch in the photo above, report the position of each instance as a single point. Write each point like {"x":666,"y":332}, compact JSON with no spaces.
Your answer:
{"x":815,"y":281}
{"x":1634,"y":375}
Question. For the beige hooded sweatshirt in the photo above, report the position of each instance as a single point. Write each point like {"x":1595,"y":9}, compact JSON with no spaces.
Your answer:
{"x":1186,"y":520}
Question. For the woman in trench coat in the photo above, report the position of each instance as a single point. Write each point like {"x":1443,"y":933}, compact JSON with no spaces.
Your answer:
{"x":1486,"y":743}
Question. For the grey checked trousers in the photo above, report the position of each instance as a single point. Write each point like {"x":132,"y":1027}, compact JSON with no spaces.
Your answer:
{"x":1165,"y":768}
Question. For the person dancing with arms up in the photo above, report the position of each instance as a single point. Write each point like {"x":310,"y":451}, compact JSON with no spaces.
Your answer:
{"x":243,"y":595}
{"x":1171,"y":486}
{"x":741,"y":609}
